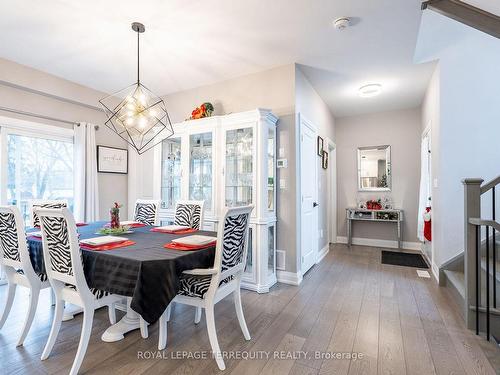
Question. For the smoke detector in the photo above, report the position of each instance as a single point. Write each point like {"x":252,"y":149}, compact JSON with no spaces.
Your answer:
{"x":342,"y":23}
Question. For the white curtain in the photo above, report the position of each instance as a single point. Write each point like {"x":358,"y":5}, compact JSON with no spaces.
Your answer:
{"x":86,"y":186}
{"x":425,"y":184}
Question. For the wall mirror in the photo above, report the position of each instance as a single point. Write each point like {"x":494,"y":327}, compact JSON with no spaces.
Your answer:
{"x":374,"y":168}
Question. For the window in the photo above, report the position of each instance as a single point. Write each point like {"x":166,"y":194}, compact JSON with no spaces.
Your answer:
{"x":37,"y":165}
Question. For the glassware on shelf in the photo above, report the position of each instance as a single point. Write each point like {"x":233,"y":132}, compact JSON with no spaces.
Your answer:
{"x":170,"y":172}
{"x":200,"y":168}
{"x":239,"y":167}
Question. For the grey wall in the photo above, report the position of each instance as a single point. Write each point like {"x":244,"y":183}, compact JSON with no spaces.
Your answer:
{"x":402,"y":131}
{"x":27,"y":89}
{"x":463,"y":100}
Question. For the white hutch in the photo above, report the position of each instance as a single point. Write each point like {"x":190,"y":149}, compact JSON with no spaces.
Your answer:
{"x":226,"y":161}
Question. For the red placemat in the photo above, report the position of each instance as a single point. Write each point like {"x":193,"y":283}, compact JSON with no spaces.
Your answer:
{"x":174,"y":246}
{"x":81,"y":224}
{"x":136,"y":225}
{"x":110,"y":246}
{"x":183,"y":231}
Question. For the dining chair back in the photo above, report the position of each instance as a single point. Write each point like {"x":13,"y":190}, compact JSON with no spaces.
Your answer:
{"x":16,"y":264}
{"x":203,"y":288}
{"x":146,"y":211}
{"x":44,"y":203}
{"x":64,"y":266}
{"x":189,"y":213}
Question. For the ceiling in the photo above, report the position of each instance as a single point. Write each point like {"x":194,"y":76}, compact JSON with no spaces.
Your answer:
{"x":194,"y":43}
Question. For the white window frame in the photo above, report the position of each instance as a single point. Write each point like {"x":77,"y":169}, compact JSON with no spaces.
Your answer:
{"x":11,"y":126}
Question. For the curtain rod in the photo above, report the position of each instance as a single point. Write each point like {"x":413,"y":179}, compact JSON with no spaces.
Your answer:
{"x":31,"y":114}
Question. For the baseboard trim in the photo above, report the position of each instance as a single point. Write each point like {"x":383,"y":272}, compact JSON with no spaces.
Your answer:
{"x":291,"y":278}
{"x":381,"y":243}
{"x":322,"y":253}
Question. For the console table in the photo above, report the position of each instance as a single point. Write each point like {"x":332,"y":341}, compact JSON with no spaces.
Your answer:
{"x":359,"y":214}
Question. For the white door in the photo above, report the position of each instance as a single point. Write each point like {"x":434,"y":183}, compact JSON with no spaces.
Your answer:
{"x":308,"y":186}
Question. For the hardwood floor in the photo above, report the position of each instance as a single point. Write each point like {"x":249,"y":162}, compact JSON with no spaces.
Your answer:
{"x":349,"y":303}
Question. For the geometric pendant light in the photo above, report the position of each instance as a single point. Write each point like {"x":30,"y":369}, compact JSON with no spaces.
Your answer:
{"x":136,"y":114}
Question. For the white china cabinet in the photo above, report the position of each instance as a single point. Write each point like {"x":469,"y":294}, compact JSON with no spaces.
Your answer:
{"x":226,"y":161}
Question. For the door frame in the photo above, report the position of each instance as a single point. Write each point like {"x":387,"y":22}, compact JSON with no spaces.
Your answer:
{"x":301,"y":119}
{"x":332,"y":191}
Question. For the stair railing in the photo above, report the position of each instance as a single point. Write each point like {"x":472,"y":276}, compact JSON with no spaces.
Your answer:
{"x":474,"y":189}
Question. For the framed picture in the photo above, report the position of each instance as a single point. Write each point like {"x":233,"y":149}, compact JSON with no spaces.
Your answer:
{"x":320,"y":146}
{"x":324,"y":160}
{"x":112,"y":160}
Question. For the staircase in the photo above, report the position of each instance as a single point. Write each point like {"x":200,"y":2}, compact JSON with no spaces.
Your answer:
{"x":467,"y":14}
{"x":473,"y":277}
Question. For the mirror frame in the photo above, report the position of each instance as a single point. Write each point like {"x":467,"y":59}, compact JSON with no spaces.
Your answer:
{"x":389,"y":168}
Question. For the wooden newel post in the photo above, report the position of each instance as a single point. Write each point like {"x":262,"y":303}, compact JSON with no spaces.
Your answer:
{"x":472,"y":209}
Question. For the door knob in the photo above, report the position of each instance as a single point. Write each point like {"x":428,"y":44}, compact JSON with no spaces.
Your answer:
{"x":315,"y":204}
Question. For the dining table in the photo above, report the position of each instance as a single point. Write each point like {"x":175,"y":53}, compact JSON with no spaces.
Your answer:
{"x":146,"y":273}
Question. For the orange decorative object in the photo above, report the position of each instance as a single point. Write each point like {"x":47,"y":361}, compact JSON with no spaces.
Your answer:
{"x":204,"y":110}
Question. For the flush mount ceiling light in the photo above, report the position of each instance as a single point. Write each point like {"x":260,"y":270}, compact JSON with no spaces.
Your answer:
{"x":370,"y":90}
{"x":136,"y":114}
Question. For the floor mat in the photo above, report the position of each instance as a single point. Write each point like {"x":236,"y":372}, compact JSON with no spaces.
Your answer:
{"x":403,"y":259}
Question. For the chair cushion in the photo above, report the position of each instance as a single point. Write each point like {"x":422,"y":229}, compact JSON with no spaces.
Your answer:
{"x":197,"y":286}
{"x":98,"y":293}
{"x":41,"y":276}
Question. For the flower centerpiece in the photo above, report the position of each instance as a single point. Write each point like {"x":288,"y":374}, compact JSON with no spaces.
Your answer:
{"x":115,"y":216}
{"x":204,"y":110}
{"x":114,"y":226}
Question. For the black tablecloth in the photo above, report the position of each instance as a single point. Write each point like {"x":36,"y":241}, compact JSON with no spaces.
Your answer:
{"x":146,"y":271}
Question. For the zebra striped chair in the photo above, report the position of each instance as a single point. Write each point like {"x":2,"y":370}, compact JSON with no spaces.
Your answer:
{"x":146,"y":211}
{"x":45,"y":203}
{"x":189,"y":213}
{"x":63,"y":263}
{"x":16,"y":263}
{"x":203,"y":288}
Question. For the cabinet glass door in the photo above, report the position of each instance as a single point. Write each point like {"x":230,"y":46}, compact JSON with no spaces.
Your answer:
{"x":200,"y":168}
{"x":271,"y":178}
{"x":239,"y":167}
{"x":170,"y":172}
{"x":271,"y":254}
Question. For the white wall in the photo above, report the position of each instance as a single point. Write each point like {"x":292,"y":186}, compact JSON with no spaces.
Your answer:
{"x":466,"y":137}
{"x":399,"y":129}
{"x":27,"y":89}
{"x":309,"y":104}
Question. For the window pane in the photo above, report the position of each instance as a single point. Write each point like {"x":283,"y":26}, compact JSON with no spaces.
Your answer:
{"x":170,"y":172}
{"x":38,"y":168}
{"x":200,"y":168}
{"x":239,"y":167}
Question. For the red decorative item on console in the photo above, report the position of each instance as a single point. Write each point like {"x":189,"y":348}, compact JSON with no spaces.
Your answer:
{"x":373,"y":205}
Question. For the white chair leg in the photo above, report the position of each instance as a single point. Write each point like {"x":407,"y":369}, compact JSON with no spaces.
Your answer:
{"x":239,"y":313}
{"x":169,"y":311}
{"x":112,"y":313}
{"x":34,"y":294}
{"x":11,"y":292}
{"x":197,"y":315}
{"x":88,"y":318}
{"x":163,"y":329}
{"x":144,"y":328}
{"x":212,"y":336}
{"x":54,"y":331}
{"x":52,"y":297}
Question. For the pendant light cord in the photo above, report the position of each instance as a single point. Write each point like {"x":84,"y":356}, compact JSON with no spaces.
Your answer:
{"x":138,"y":34}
